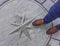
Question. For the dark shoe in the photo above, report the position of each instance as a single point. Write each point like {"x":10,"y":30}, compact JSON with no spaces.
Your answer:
{"x":38,"y":22}
{"x":52,"y":30}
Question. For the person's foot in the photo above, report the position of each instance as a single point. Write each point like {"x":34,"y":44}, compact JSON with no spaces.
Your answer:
{"x":38,"y":22}
{"x":52,"y":30}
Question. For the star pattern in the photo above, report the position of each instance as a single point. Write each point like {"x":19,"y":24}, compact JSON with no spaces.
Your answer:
{"x":22,"y":28}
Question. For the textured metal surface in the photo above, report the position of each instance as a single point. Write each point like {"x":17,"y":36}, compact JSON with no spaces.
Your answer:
{"x":52,"y":39}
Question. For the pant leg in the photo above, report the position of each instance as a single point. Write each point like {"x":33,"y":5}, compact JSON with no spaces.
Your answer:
{"x":58,"y":26}
{"x":49,"y":18}
{"x":53,"y":13}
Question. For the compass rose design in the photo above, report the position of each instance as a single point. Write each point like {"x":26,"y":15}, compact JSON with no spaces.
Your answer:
{"x":22,"y":28}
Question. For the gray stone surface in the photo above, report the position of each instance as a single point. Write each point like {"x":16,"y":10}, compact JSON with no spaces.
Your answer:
{"x":10,"y":14}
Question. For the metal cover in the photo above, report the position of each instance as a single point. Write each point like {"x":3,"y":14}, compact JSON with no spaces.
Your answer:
{"x":18,"y":15}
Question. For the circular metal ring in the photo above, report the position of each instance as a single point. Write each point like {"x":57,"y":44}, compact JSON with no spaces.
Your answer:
{"x":41,"y":2}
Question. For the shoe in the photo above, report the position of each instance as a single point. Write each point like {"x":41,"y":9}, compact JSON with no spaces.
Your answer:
{"x":38,"y":22}
{"x":52,"y":30}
